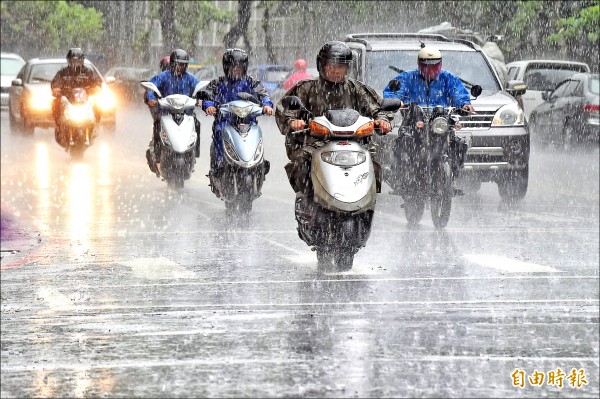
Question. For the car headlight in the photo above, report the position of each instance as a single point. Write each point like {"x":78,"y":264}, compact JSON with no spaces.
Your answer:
{"x":105,"y":100}
{"x":439,"y":125}
{"x":508,"y":115}
{"x":242,"y":112}
{"x":41,"y":102}
{"x":344,"y":158}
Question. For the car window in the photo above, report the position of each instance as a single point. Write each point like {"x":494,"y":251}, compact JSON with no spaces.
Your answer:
{"x":560,"y":89}
{"x":575,"y":89}
{"x":44,"y":72}
{"x":276,"y":76}
{"x":594,"y":85}
{"x":470,"y":66}
{"x":11,"y":66}
{"x":206,"y":74}
{"x":513,"y":72}
{"x":543,"y":78}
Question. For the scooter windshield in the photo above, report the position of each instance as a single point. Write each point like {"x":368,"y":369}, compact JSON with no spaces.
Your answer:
{"x":342,"y":117}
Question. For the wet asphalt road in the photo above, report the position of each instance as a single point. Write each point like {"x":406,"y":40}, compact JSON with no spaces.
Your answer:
{"x":113,"y":285}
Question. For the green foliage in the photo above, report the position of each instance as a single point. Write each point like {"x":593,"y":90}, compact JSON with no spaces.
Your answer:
{"x":50,"y":24}
{"x":527,"y":12}
{"x":192,"y":16}
{"x":586,"y":24}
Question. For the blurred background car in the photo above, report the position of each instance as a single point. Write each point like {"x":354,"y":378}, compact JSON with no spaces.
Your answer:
{"x":569,"y":114}
{"x":270,"y":75}
{"x":208,"y":72}
{"x":126,"y":85}
{"x":541,"y":76}
{"x":30,"y":99}
{"x":10,"y":66}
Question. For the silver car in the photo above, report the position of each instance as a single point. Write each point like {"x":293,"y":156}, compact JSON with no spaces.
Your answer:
{"x":10,"y":66}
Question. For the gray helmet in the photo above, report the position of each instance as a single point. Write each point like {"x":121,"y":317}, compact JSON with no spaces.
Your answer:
{"x":233,"y":57}
{"x":179,"y":56}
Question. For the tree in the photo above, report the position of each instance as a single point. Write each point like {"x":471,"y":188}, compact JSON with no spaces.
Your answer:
{"x":35,"y":28}
{"x":240,"y":29}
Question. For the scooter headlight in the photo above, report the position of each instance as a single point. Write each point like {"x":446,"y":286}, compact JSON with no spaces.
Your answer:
{"x":230,"y":151}
{"x":177,"y":102}
{"x":508,"y":115}
{"x":242,"y":112}
{"x":344,"y":158}
{"x":79,"y":113}
{"x":439,"y":125}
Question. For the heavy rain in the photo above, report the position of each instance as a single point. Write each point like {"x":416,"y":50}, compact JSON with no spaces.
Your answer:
{"x":455,"y":256}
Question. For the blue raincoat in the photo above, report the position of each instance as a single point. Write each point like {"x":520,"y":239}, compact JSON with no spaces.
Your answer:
{"x":447,"y":90}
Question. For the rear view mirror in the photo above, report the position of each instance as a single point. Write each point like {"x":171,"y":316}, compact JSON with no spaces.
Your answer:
{"x":394,"y":85}
{"x":476,"y":90}
{"x":151,"y":86}
{"x":545,"y":95}
{"x":391,"y":104}
{"x":292,"y":103}
{"x":516,"y":87}
{"x":17,"y":82}
{"x":248,"y":97}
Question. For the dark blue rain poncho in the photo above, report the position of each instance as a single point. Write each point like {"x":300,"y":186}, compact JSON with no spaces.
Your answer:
{"x":447,"y":90}
{"x":224,"y":90}
{"x":169,"y":84}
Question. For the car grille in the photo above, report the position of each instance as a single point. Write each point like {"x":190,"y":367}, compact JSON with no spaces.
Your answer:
{"x":480,"y":120}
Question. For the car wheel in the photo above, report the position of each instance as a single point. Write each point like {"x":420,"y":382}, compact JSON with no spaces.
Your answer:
{"x":569,"y":138}
{"x":26,"y":126}
{"x":13,"y":125}
{"x":512,"y":186}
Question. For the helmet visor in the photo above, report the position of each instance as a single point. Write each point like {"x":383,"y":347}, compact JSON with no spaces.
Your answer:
{"x":430,"y":72}
{"x":431,"y":61}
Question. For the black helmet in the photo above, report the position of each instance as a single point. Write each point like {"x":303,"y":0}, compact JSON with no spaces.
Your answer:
{"x":233,"y":57}
{"x":179,"y":56}
{"x":333,"y":52}
{"x":75,"y":57}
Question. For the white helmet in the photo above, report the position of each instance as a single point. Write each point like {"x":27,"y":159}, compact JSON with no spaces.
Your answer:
{"x":430,"y":63}
{"x":430,"y":53}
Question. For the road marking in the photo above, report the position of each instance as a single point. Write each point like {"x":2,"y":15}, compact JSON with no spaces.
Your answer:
{"x":509,"y":265}
{"x":48,"y":367}
{"x":53,"y":298}
{"x":157,"y":268}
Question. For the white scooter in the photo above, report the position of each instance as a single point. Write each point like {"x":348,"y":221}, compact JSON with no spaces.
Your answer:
{"x":177,"y":136}
{"x":335,"y":211}
{"x":245,"y":167}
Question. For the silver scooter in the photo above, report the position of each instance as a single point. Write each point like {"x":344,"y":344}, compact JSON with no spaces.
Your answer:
{"x":245,"y":167}
{"x":177,"y":136}
{"x":335,"y":212}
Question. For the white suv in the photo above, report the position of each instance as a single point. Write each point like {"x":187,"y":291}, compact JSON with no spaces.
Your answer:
{"x":541,"y":76}
{"x":10,"y":66}
{"x":496,"y":134}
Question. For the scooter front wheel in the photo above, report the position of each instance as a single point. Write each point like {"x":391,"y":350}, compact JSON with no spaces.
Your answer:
{"x":441,"y":199}
{"x":414,"y":207}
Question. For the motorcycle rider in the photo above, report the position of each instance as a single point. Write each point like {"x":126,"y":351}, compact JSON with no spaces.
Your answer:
{"x":430,"y":85}
{"x":300,"y":73}
{"x":332,"y":89}
{"x":164,"y":63}
{"x":225,"y":89}
{"x":174,"y":80}
{"x":74,"y":75}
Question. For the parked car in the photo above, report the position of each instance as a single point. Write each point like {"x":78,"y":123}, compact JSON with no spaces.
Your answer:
{"x":126,"y":85}
{"x":270,"y":75}
{"x":30,"y":100}
{"x":10,"y":66}
{"x":541,"y":76}
{"x":496,"y":134}
{"x":570,"y":113}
